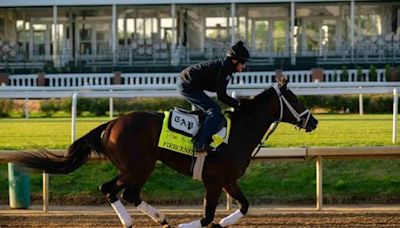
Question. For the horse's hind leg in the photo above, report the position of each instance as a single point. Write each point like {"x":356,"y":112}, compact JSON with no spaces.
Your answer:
{"x":233,"y":189}
{"x":132,"y":195}
{"x":110,"y":190}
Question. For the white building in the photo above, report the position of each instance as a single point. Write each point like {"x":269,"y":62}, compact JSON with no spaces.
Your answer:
{"x":98,"y":35}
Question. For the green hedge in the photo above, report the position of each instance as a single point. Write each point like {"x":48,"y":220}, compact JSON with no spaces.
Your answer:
{"x":100,"y":106}
{"x":350,"y":103}
{"x":6,"y":106}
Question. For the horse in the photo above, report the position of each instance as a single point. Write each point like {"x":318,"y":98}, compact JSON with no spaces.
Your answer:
{"x":130,"y":143}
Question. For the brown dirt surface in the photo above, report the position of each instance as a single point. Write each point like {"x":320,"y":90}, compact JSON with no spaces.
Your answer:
{"x":276,"y":220}
{"x":104,"y":217}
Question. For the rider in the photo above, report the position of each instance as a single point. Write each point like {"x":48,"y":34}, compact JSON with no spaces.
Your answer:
{"x":212,"y":76}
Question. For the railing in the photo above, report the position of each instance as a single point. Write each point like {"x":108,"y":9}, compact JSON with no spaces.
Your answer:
{"x":160,"y":80}
{"x":320,"y":154}
{"x":159,"y":54}
{"x":76,"y":80}
{"x":362,"y":54}
{"x":285,"y":154}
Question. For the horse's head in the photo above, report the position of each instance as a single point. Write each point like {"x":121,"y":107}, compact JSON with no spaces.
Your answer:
{"x":279,"y":104}
{"x":291,"y":110}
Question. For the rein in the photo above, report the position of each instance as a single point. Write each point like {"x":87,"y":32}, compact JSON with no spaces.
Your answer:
{"x":269,"y":132}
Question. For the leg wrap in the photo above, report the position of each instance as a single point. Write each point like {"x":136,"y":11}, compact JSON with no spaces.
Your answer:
{"x":231,"y":219}
{"x":151,"y":212}
{"x":122,"y":213}
{"x":194,"y":224}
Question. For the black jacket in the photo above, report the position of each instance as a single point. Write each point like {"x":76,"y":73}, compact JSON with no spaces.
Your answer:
{"x":213,"y":76}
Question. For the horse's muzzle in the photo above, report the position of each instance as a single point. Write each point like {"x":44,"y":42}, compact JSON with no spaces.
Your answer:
{"x":311,"y":125}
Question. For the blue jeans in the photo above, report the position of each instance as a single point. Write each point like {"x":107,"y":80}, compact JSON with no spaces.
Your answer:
{"x":213,"y":116}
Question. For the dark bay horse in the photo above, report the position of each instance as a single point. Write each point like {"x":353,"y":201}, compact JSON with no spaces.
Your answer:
{"x":130,"y":143}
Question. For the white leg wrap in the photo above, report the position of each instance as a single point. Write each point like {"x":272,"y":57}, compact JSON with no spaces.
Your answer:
{"x":122,"y":213}
{"x":231,"y":219}
{"x":151,"y":212}
{"x":194,"y":224}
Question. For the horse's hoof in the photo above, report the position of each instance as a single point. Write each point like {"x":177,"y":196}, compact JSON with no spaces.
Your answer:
{"x":213,"y":225}
{"x":165,"y":224}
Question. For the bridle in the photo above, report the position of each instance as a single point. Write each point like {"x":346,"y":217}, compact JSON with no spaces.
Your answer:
{"x":301,"y":118}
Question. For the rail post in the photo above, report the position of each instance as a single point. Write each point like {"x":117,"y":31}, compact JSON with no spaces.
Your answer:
{"x":319,"y":182}
{"x":45,"y":196}
{"x":26,"y":108}
{"x":111,"y":105}
{"x":73,"y":116}
{"x":395,"y":112}
{"x":360,"y":104}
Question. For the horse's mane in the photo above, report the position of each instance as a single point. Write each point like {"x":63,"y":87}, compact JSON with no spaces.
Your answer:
{"x":263,"y":95}
{"x":250,"y":103}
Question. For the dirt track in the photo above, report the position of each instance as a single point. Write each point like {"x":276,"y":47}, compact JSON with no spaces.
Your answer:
{"x":351,"y":220}
{"x":265,"y":218}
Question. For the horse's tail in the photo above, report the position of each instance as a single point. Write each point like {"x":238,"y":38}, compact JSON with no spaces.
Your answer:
{"x":77,"y":154}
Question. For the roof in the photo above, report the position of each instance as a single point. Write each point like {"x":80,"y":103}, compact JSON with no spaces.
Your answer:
{"x":26,"y":3}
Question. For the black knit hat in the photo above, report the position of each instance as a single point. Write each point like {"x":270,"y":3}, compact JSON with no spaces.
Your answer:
{"x":238,"y":51}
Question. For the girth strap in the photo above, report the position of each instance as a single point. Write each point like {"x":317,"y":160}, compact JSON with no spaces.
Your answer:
{"x":198,"y":166}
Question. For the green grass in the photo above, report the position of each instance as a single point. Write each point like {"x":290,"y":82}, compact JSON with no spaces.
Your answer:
{"x":52,"y":133}
{"x":333,"y":130}
{"x":338,"y":131}
{"x":345,"y":181}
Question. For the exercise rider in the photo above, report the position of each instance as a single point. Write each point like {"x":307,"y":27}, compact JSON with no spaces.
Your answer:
{"x":212,"y":76}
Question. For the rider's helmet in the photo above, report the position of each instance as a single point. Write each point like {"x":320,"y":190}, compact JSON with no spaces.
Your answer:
{"x":239,"y":52}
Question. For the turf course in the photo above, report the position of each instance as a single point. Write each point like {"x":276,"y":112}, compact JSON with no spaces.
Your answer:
{"x":344,"y":181}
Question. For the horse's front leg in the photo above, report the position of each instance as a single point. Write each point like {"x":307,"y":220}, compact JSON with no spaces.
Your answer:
{"x":233,"y":190}
{"x":211,"y":200}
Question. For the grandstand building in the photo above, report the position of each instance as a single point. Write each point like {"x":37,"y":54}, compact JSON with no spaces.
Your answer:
{"x":167,"y":35}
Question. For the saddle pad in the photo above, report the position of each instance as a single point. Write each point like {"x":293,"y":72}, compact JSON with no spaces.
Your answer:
{"x":184,"y":123}
{"x":178,"y":142}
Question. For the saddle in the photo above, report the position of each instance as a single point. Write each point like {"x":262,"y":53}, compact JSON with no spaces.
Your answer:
{"x":180,"y":127}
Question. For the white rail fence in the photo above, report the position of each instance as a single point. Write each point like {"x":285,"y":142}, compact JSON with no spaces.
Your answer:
{"x":284,"y":154}
{"x":126,"y":91}
{"x":156,"y":80}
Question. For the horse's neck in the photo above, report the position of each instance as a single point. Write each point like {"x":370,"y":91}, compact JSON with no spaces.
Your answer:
{"x":253,"y":123}
{"x":253,"y":128}
{"x":260,"y":119}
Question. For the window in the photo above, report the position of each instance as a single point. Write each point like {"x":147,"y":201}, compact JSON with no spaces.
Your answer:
{"x":368,"y":25}
{"x":217,"y":28}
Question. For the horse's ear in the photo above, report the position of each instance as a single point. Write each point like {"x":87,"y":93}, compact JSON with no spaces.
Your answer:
{"x":282,"y":81}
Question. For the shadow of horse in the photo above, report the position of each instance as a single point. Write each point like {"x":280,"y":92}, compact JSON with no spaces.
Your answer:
{"x":130,"y":142}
